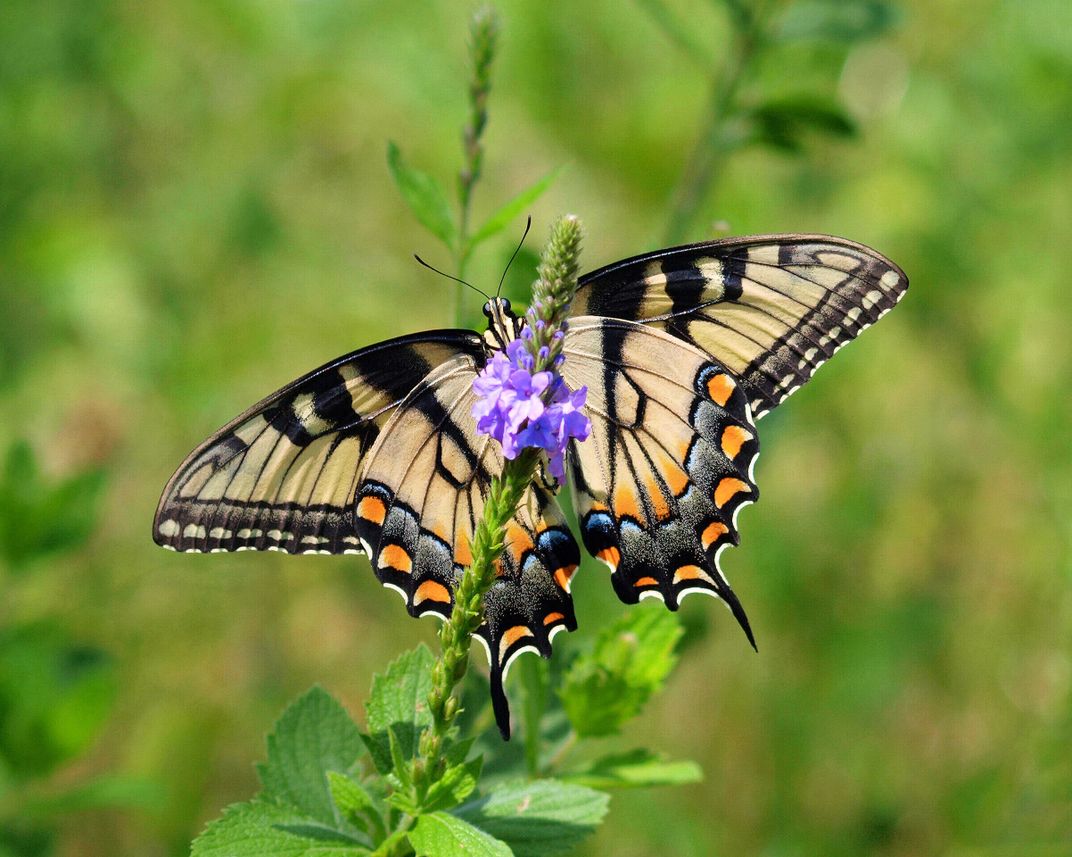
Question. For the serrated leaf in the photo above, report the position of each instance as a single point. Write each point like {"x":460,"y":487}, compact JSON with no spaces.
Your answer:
{"x":264,"y":829}
{"x":636,"y":769}
{"x":423,"y":195}
{"x":441,"y":834}
{"x":315,"y":735}
{"x":398,"y":704}
{"x":539,"y":818}
{"x":837,"y":20}
{"x":512,"y":209}
{"x":629,"y":662}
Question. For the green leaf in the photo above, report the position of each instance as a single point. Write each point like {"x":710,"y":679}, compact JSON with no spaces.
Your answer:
{"x":55,"y":695}
{"x":782,"y":124}
{"x":354,"y":803}
{"x":636,"y":769}
{"x":455,"y":784}
{"x":348,"y":794}
{"x":315,"y":735}
{"x":41,"y":517}
{"x":423,"y":195}
{"x":837,"y":20}
{"x":264,"y":829}
{"x":387,"y":847}
{"x":512,"y":209}
{"x":630,"y":661}
{"x":539,"y":818}
{"x":398,"y":702}
{"x":441,"y":834}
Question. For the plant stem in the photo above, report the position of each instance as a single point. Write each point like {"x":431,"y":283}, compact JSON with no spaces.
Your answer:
{"x":483,"y":34}
{"x":552,"y":292}
{"x":705,"y":164}
{"x":500,"y":507}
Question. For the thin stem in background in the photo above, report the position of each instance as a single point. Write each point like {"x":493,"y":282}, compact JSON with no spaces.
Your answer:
{"x":714,"y":143}
{"x":483,"y":36}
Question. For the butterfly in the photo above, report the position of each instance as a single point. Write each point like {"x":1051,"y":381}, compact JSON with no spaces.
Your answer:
{"x":681,"y":350}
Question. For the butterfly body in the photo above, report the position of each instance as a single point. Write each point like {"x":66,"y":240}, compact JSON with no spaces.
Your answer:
{"x":680,"y":350}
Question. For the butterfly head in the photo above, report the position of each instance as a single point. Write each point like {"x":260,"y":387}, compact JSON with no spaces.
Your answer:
{"x":503,"y":324}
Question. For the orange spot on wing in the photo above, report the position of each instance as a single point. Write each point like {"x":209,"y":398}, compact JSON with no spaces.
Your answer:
{"x":657,"y":499}
{"x":677,"y":480}
{"x":692,"y":572}
{"x":727,"y":489}
{"x":610,"y":556}
{"x":511,"y":636}
{"x":430,"y":590}
{"x":625,"y":503}
{"x":551,"y":618}
{"x":733,"y":438}
{"x":462,"y":553}
{"x":396,"y":558}
{"x":712,"y":533}
{"x":599,"y":507}
{"x":564,"y":575}
{"x":372,"y":509}
{"x":720,"y":388}
{"x":646,"y":581}
{"x":518,"y":541}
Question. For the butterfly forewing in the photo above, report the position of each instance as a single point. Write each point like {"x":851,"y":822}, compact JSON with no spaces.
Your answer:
{"x":771,"y":309}
{"x":668,"y":465}
{"x":282,"y":476}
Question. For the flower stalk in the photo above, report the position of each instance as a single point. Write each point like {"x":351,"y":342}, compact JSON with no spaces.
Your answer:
{"x":455,"y":636}
{"x":552,"y":295}
{"x":483,"y":39}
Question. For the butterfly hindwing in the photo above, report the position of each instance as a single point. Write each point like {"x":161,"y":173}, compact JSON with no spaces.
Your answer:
{"x":668,"y":465}
{"x":282,"y":476}
{"x":771,"y":309}
{"x":421,"y":496}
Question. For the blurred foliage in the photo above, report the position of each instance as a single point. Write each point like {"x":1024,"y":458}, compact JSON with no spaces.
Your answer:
{"x":194,"y":208}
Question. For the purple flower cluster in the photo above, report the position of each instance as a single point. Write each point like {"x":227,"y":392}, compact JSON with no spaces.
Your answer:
{"x":521,"y":408}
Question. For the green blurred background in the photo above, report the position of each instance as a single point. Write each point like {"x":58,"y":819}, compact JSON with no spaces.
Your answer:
{"x":195,"y":208}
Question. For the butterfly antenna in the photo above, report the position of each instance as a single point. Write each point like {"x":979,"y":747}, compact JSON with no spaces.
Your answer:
{"x":520,"y":244}
{"x":449,"y":277}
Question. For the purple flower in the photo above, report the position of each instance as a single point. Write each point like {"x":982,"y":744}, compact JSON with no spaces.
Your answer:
{"x":525,"y":409}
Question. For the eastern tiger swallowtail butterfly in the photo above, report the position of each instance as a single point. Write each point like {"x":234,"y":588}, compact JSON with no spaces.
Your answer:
{"x":681,"y":351}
